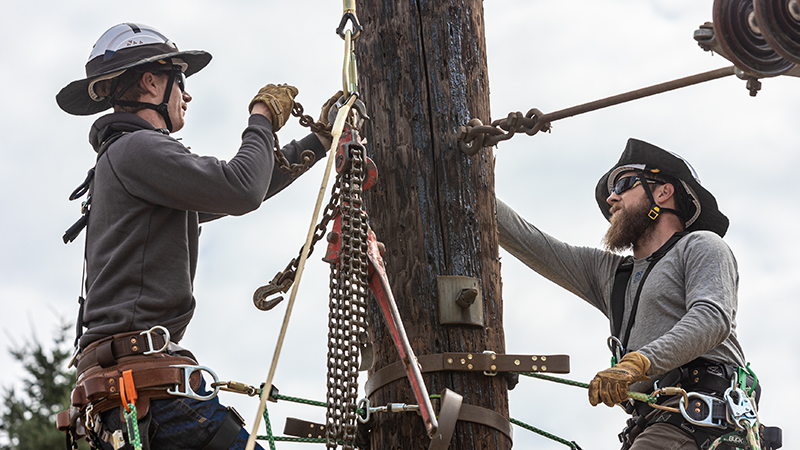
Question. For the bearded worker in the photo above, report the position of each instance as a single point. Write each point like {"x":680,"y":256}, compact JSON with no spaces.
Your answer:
{"x":671,"y":306}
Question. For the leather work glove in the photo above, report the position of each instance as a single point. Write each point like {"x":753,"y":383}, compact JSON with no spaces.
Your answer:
{"x":610,"y":386}
{"x":279,"y":99}
{"x":326,"y":108}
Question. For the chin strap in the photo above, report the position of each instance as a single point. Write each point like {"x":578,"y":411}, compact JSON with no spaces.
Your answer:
{"x":655,"y":210}
{"x":162,"y":109}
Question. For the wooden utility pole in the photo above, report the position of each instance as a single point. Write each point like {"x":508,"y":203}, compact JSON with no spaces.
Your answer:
{"x":422,"y":73}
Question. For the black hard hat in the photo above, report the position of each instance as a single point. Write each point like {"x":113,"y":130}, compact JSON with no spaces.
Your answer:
{"x":702,"y":212}
{"x":120,"y":48}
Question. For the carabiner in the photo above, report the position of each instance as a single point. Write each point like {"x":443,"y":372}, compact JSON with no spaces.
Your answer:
{"x":188,"y":370}
{"x":740,"y":408}
{"x":363,"y":405}
{"x":617,"y":350}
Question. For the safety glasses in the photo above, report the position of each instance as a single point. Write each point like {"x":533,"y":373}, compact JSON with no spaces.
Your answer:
{"x":626,"y":183}
{"x":177,"y":74}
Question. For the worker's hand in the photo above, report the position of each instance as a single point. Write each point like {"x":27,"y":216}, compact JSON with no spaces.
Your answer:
{"x":279,"y":100}
{"x":610,"y":386}
{"x":326,"y":108}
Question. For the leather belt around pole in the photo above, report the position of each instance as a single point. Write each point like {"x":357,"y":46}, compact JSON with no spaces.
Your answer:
{"x":447,"y":412}
{"x":470,"y":362}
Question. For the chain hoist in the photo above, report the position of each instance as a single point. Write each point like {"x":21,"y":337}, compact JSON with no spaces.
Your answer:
{"x":349,"y":294}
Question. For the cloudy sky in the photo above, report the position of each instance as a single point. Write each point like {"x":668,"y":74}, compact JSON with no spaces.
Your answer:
{"x":544,"y":54}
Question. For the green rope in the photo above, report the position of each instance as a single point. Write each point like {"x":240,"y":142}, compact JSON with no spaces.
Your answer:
{"x":570,"y":444}
{"x":269,"y":437}
{"x":292,"y":439}
{"x":634,"y":395}
{"x":300,"y":400}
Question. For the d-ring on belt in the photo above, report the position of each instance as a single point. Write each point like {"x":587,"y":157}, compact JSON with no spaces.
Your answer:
{"x":106,"y":352}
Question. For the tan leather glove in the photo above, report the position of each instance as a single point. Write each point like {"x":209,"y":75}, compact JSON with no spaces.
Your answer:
{"x":279,"y":99}
{"x":610,"y":386}
{"x":326,"y":108}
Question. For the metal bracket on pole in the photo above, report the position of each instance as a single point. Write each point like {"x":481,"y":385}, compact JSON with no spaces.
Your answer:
{"x":460,"y":300}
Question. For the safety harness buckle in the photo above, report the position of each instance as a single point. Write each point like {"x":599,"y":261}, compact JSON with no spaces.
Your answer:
{"x":148,"y":334}
{"x":704,"y":410}
{"x":188,"y":370}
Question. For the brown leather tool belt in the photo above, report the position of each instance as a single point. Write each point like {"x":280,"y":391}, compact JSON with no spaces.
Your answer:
{"x":108,"y":351}
{"x":489,"y":363}
{"x":97,"y":389}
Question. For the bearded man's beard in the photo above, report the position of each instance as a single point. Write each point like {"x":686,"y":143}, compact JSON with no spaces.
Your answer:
{"x":628,"y":225}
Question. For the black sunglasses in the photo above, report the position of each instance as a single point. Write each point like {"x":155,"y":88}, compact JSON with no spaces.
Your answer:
{"x":177,"y":74}
{"x":626,"y":183}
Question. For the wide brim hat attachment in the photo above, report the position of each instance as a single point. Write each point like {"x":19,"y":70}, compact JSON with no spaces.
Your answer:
{"x":702,"y":214}
{"x":123,"y":47}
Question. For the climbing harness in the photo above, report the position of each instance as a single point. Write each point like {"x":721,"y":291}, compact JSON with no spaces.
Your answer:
{"x":617,"y":341}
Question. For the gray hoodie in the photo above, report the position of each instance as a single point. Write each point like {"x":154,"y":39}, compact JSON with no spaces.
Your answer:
{"x":149,"y":196}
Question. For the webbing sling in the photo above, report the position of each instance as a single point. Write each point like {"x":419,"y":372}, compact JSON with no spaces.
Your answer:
{"x":621,"y":279}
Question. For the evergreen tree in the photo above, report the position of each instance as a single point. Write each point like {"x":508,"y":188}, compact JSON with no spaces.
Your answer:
{"x":28,"y":419}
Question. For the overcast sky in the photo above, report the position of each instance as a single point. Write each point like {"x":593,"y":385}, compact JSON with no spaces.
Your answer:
{"x":548,"y":55}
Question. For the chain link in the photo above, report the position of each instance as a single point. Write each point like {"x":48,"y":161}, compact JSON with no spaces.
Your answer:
{"x":349,"y":294}
{"x":475,"y":135}
{"x":283,"y":280}
{"x":307,"y":156}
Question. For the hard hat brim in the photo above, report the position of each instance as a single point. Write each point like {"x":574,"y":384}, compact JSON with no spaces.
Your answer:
{"x":75,"y":99}
{"x":649,"y":158}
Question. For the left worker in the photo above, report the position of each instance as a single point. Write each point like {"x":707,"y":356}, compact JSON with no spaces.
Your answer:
{"x":148,"y":196}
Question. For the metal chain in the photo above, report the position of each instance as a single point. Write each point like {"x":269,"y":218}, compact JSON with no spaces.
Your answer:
{"x":307,"y":157}
{"x":475,"y":135}
{"x":283,"y":280}
{"x":349,"y":294}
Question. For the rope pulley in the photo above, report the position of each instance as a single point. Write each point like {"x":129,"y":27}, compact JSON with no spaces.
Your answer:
{"x":779,"y":23}
{"x":741,"y":39}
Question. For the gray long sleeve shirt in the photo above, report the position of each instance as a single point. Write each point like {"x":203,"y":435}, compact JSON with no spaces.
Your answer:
{"x":149,"y":195}
{"x":688,"y":303}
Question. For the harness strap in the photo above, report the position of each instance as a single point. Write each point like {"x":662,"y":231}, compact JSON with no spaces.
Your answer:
{"x":620,"y":286}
